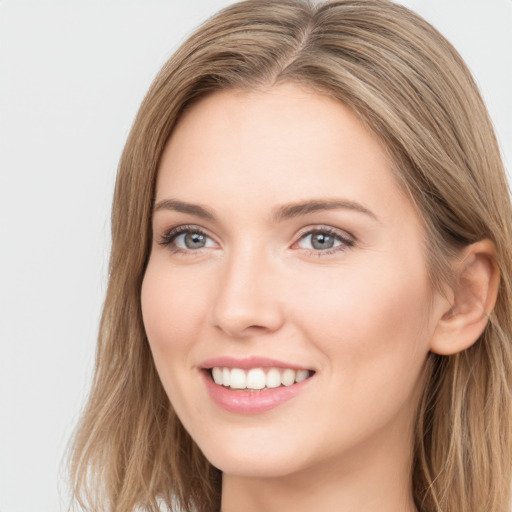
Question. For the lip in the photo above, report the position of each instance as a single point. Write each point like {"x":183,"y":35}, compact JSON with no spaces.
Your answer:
{"x":250,"y":402}
{"x":246,"y":363}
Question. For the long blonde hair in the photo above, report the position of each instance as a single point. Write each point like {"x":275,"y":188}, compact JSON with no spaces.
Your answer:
{"x":411,"y":87}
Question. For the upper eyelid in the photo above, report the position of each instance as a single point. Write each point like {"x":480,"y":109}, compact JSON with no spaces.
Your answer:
{"x":342,"y":233}
{"x":183,"y":228}
{"x":306,"y":229}
{"x":171,"y":234}
{"x":345,"y":242}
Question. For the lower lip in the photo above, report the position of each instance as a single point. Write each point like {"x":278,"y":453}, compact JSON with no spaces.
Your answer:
{"x":251,"y":402}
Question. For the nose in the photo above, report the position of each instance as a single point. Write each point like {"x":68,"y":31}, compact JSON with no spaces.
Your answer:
{"x":248,"y":298}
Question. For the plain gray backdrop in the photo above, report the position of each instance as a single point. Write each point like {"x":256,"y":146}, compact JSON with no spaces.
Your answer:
{"x":72,"y":75}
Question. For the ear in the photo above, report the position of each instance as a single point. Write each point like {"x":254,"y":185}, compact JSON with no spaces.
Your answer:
{"x":472,"y":298}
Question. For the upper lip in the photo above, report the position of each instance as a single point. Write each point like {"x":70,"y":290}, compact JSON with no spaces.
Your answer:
{"x":248,"y":363}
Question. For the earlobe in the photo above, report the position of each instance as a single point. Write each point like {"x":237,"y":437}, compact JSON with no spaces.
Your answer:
{"x":474,"y":295}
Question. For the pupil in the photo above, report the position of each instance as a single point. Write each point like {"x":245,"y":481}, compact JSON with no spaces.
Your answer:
{"x":194,"y":240}
{"x":322,"y":241}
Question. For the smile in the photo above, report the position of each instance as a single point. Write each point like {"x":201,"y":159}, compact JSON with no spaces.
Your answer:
{"x":257,"y":379}
{"x":253,"y":385}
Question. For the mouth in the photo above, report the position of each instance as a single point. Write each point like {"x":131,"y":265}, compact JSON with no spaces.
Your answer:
{"x":253,"y":385}
{"x":257,"y":379}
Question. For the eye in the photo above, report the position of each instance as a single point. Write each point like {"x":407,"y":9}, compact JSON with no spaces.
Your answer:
{"x":324,"y":240}
{"x":186,"y":238}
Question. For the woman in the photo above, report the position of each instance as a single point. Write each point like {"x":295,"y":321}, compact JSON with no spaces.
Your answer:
{"x":309,"y":298}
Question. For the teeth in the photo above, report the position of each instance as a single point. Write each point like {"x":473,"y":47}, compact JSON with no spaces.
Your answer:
{"x":288,"y":377}
{"x":273,"y":378}
{"x":226,"y":377}
{"x":217,"y":375}
{"x":257,"y":378}
{"x":301,"y":375}
{"x":237,"y":380}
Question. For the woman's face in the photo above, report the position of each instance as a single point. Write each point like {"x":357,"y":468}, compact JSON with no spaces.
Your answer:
{"x":284,"y":250}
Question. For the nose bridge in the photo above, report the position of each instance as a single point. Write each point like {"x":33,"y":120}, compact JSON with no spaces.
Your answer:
{"x":247,"y":299}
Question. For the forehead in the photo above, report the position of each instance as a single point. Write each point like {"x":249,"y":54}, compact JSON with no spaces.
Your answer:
{"x":283,"y":117}
{"x":281,"y":144}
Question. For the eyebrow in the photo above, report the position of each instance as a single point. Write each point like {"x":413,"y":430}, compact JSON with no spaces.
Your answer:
{"x":183,"y":207}
{"x":298,"y":209}
{"x":284,"y":212}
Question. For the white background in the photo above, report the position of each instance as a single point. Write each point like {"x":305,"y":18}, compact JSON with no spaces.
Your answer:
{"x":72,"y":75}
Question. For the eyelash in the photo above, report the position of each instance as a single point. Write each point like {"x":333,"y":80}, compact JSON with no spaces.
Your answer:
{"x":170,"y":236}
{"x":346,"y":241}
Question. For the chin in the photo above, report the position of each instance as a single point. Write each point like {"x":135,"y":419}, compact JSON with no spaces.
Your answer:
{"x":258,"y":458}
{"x":255,"y":466}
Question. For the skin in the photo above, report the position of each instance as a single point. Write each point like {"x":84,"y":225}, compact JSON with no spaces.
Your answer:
{"x":363,"y":317}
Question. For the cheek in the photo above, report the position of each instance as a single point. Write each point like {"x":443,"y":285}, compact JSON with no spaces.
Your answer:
{"x":369,"y":327}
{"x":369,"y":319}
{"x":172,"y":305}
{"x":172,"y":308}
